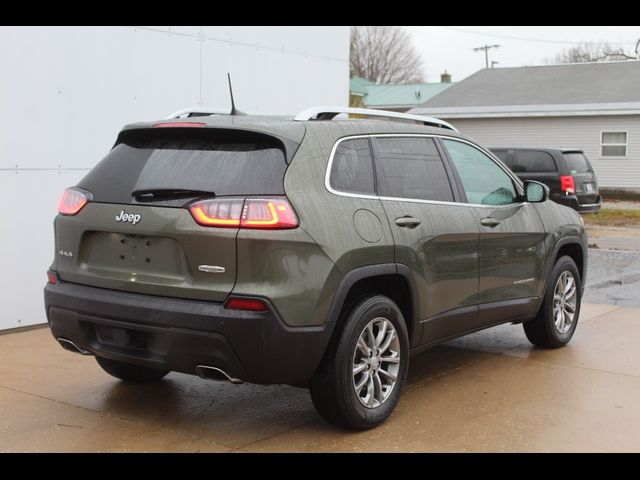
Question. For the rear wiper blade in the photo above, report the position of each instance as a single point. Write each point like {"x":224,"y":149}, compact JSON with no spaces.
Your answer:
{"x":166,"y":193}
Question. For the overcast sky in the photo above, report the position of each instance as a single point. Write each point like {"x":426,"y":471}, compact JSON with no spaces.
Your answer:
{"x":450,"y":48}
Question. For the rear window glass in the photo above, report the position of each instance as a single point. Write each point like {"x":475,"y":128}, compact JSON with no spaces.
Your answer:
{"x":411,"y":167}
{"x":577,"y":163}
{"x":352,"y":168}
{"x":533,"y":161}
{"x":233,"y":163}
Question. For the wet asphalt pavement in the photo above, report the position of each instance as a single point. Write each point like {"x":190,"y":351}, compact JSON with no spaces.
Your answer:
{"x":491,"y":391}
{"x":613,"y":278}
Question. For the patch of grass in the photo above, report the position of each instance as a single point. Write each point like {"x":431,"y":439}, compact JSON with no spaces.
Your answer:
{"x":614,"y":217}
{"x":620,"y":194}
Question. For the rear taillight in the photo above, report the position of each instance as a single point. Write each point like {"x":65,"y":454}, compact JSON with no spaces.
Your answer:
{"x":247,"y":304}
{"x":52,"y":277}
{"x":268,"y":213}
{"x":567,"y":184}
{"x":72,"y":202}
{"x":217,"y":212}
{"x":264,"y":213}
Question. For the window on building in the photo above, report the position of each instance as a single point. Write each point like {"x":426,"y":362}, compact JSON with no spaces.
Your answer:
{"x":613,"y":144}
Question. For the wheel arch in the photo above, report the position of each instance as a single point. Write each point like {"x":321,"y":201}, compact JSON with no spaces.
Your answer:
{"x":572,"y":246}
{"x":575,"y":251}
{"x":390,"y":279}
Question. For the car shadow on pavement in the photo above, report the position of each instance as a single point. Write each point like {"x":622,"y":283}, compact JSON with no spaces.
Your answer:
{"x":241,"y":413}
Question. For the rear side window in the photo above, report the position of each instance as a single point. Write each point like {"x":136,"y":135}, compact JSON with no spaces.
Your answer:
{"x":577,"y":163}
{"x":352,"y":167}
{"x":501,"y":154}
{"x":411,"y":167}
{"x":533,"y":161}
{"x":504,"y":156}
{"x":224,"y":162}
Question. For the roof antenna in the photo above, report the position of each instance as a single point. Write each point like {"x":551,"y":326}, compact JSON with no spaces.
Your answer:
{"x":233,"y":105}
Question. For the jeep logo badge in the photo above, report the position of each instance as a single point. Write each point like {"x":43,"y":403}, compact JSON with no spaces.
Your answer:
{"x":128,"y":217}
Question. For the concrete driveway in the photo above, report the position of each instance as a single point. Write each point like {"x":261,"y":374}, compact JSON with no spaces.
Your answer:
{"x":490,"y":391}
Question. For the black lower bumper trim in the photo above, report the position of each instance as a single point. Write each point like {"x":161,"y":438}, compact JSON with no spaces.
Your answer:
{"x":179,"y":335}
{"x":573,"y":201}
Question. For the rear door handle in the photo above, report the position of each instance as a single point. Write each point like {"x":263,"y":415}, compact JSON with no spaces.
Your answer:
{"x":490,"y":222}
{"x":407,"y":222}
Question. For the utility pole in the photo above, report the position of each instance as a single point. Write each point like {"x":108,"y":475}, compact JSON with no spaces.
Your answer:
{"x":638,"y":49}
{"x":486,"y":53}
{"x":494,"y":62}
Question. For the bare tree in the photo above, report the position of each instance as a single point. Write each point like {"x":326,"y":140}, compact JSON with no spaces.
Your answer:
{"x":384,"y":55}
{"x":592,"y":52}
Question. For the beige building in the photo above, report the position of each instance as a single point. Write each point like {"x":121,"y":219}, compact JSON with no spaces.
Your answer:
{"x":591,"y":106}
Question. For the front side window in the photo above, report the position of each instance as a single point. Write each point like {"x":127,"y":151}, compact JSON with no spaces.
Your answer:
{"x":613,"y":144}
{"x":352,"y":168}
{"x":411,"y":168}
{"x":484,"y":182}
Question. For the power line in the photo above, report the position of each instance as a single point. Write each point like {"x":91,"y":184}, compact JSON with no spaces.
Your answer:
{"x":524,"y":39}
{"x":515,"y":54}
{"x":486,"y":49}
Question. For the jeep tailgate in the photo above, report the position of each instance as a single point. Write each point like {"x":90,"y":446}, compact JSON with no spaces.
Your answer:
{"x":154,"y":245}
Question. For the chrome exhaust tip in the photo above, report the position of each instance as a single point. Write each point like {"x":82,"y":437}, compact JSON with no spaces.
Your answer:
{"x":72,"y":347}
{"x":214,"y":373}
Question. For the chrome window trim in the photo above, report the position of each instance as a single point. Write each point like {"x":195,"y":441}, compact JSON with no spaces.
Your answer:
{"x":330,"y":189}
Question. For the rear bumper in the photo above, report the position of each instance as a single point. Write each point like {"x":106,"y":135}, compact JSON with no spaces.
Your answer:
{"x":179,"y":335}
{"x":572,"y":201}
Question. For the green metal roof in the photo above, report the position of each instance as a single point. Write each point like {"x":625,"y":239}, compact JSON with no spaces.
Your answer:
{"x":402,"y":95}
{"x":358,"y":85}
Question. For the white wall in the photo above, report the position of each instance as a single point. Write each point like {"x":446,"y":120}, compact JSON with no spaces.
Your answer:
{"x":575,"y":132}
{"x":66,"y":91}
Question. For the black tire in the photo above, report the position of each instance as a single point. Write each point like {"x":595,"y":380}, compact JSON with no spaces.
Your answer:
{"x":130,"y":372}
{"x":542,"y":330}
{"x":332,"y":385}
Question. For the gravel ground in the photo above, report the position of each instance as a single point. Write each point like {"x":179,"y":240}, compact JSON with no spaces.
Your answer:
{"x":613,"y":278}
{"x":614,"y":238}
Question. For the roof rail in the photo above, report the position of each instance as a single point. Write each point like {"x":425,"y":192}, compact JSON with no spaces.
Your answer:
{"x":328,"y":113}
{"x":196,"y":112}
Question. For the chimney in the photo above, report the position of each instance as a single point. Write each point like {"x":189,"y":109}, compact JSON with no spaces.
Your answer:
{"x":445,"y":77}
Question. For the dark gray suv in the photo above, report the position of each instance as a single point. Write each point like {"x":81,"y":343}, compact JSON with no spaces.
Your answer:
{"x":566,"y":171}
{"x":313,"y":251}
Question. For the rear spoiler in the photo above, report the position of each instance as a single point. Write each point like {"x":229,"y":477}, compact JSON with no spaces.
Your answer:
{"x":228,"y":133}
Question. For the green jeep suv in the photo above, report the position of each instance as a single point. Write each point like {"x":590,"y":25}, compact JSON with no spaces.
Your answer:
{"x":319,"y":251}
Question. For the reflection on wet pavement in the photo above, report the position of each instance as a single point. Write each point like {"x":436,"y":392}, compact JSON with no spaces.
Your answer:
{"x":489,"y":391}
{"x":613,"y":278}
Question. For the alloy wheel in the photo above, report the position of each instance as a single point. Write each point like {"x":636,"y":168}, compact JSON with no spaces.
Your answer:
{"x":376,"y":362}
{"x":565,"y":297}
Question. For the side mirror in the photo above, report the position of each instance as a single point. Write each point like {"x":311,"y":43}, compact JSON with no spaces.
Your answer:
{"x":535,"y":192}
